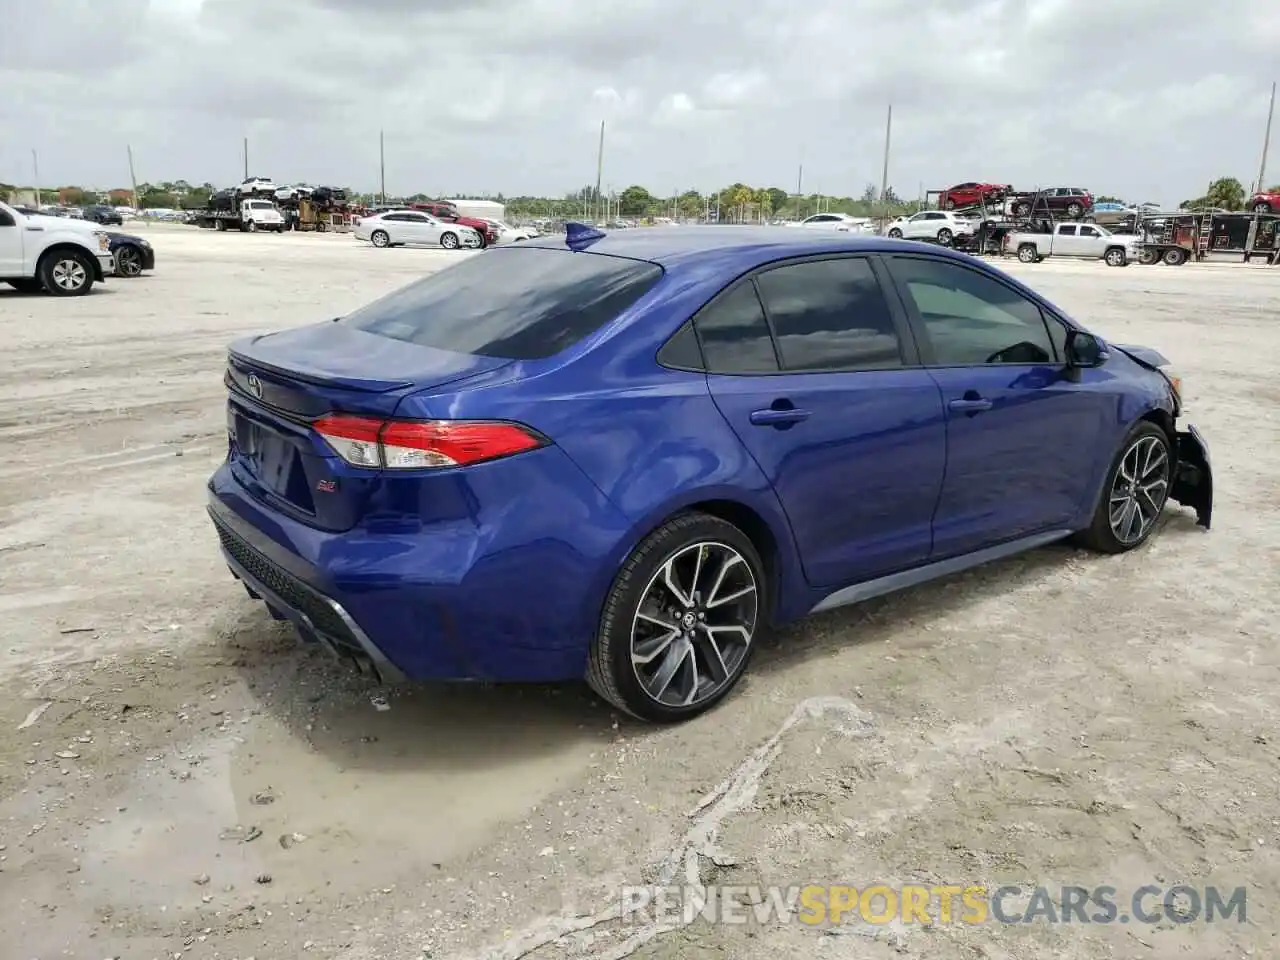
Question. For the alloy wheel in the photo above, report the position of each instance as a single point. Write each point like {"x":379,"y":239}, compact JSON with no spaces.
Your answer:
{"x":1139,"y":490}
{"x":70,"y":274}
{"x":694,"y":625}
{"x":128,"y":263}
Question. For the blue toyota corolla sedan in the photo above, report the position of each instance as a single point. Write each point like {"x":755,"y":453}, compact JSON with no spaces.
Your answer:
{"x":625,"y":457}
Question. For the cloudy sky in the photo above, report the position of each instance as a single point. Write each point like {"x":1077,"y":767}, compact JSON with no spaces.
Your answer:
{"x":1146,"y":99}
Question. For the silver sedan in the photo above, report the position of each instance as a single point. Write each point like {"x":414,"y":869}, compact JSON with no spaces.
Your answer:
{"x":394,"y":228}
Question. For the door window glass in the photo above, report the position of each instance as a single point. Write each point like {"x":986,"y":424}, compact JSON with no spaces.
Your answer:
{"x":971,"y":319}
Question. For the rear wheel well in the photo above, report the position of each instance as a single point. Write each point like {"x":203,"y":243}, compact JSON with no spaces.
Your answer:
{"x":757,"y":531}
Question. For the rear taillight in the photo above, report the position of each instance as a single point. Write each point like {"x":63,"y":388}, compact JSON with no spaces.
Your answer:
{"x":423,"y":444}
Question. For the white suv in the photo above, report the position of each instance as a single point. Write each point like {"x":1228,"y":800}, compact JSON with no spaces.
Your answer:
{"x":940,"y":225}
{"x":56,"y":254}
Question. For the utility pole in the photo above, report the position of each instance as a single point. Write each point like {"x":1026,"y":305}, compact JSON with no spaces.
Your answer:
{"x":599,"y":169}
{"x":133,"y":180}
{"x":799,"y":188}
{"x":1266,"y":142}
{"x":246,"y":158}
{"x":884,"y":175}
{"x":35,"y":172}
{"x":382,"y":168}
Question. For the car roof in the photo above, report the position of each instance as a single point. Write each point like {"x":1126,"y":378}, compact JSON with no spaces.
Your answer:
{"x":748,"y":246}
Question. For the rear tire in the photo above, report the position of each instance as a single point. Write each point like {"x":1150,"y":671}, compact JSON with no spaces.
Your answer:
{"x":66,"y":273}
{"x":688,"y":605}
{"x":1138,"y":480}
{"x":1027,"y":253}
{"x":945,"y":236}
{"x":1262,"y":207}
{"x":1148,"y":257}
{"x":895,"y":234}
{"x":1175,"y":257}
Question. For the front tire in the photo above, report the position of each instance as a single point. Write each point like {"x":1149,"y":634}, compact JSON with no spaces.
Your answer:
{"x":449,"y":240}
{"x":380,"y":238}
{"x":128,"y":262}
{"x":895,"y":234}
{"x":680,"y":620}
{"x":1136,"y":490}
{"x":1115,"y":257}
{"x":66,"y":273}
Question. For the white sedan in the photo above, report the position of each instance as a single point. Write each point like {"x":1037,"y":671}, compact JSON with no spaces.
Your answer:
{"x":509,"y":234}
{"x":842,"y":222}
{"x":394,"y":228}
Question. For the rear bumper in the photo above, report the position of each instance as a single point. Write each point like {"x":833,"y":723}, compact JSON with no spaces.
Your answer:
{"x":514,"y":596}
{"x":318,"y":617}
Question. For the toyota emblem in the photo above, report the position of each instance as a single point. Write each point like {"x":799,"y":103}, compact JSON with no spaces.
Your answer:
{"x":254,"y":385}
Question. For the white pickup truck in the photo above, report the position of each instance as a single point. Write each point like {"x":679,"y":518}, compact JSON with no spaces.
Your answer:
{"x":59,"y":255}
{"x":1085,"y":240}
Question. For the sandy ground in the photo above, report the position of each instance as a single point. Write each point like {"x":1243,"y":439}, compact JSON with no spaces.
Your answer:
{"x":177,"y":777}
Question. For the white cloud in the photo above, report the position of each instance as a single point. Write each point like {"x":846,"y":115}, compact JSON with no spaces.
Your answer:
{"x":1148,"y":98}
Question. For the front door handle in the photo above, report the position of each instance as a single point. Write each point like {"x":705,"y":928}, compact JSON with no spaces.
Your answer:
{"x":970,"y":405}
{"x":778,"y":418}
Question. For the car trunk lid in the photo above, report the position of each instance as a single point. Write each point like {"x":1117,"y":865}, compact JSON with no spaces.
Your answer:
{"x":279,"y":384}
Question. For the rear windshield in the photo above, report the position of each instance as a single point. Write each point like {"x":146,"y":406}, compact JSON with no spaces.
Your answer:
{"x":517,"y":304}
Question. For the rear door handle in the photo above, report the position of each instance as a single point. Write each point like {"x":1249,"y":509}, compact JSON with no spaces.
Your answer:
{"x":775,"y":418}
{"x":970,"y":405}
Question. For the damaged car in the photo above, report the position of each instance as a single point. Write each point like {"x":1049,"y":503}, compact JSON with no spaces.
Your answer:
{"x":627,"y":456}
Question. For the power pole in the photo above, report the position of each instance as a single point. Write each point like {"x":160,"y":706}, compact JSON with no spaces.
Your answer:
{"x":35,"y":172}
{"x":382,"y":167}
{"x":246,"y":158}
{"x":799,"y":188}
{"x":884,"y":175}
{"x":1266,"y":142}
{"x":133,"y":180}
{"x":599,"y":169}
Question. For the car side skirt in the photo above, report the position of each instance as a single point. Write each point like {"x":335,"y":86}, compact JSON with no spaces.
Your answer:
{"x":859,"y":592}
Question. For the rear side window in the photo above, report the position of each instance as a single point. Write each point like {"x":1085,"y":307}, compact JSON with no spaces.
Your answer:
{"x":830,"y":315}
{"x":517,"y":304}
{"x":735,"y":335}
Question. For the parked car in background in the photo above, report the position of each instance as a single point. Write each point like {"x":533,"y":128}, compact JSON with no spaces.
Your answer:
{"x":1089,"y":241}
{"x":60,"y":256}
{"x":629,"y":456}
{"x":1074,"y":202}
{"x":505,"y":233}
{"x":840,"y":222}
{"x":298,"y":191}
{"x":131,"y":255}
{"x":940,"y":225}
{"x":448,"y":213}
{"x":972,"y":194}
{"x":100,"y":213}
{"x":1265,"y":202}
{"x":397,"y":228}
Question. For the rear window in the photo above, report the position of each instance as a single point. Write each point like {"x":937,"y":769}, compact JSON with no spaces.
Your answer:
{"x":517,"y":304}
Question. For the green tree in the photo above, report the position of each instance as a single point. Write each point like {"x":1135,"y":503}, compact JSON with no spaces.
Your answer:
{"x":1225,"y":192}
{"x":634,"y":201}
{"x":778,"y":198}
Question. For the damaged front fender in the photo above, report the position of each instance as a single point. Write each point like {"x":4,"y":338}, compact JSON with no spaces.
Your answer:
{"x":1193,"y":482}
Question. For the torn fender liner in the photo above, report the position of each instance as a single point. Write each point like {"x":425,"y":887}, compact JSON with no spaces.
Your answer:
{"x":1193,"y":484}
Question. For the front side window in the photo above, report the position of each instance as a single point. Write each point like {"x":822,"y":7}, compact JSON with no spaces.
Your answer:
{"x":517,"y":303}
{"x":1066,"y":231}
{"x":971,"y":319}
{"x":830,"y":315}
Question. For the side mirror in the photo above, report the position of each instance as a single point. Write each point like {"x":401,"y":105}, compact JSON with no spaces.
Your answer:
{"x":1084,"y":350}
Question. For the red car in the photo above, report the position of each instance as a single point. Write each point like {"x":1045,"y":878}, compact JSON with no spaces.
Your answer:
{"x":447,"y":212}
{"x":972,"y":194}
{"x":1265,"y":202}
